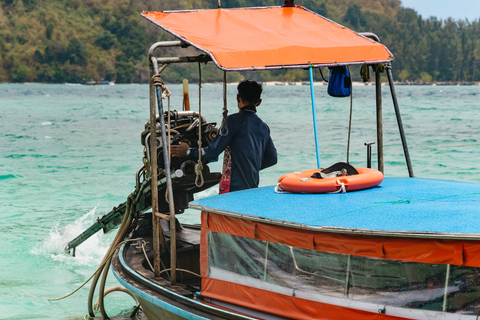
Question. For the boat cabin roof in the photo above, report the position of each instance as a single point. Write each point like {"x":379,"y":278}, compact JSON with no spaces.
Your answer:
{"x":269,"y":38}
{"x":399,"y":206}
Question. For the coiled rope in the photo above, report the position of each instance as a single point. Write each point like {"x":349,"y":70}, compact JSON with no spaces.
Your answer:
{"x":105,"y":264}
{"x":158,"y":81}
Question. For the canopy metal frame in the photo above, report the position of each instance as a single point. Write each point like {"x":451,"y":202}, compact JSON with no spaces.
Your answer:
{"x":158,"y":64}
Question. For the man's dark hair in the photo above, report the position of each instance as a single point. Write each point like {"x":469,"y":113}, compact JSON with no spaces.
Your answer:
{"x":250,"y":91}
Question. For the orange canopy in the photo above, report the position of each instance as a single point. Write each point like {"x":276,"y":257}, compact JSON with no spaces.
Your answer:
{"x":269,"y":38}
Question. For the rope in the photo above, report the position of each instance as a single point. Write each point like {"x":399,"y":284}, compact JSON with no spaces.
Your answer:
{"x":146,"y":256}
{"x":199,"y":181}
{"x":279,"y":189}
{"x":164,"y":270}
{"x":121,"y":234}
{"x":81,"y":286}
{"x":158,"y":81}
{"x":225,"y":109}
{"x":125,"y":225}
{"x":342,"y":188}
{"x":113,"y":289}
{"x":350,"y":121}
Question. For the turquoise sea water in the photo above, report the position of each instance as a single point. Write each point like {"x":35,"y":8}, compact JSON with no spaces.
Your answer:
{"x":69,"y":153}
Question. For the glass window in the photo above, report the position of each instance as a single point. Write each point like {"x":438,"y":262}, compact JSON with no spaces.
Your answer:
{"x":397,"y":283}
{"x":286,"y":269}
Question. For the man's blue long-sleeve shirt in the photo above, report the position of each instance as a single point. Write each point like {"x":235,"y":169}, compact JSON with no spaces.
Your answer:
{"x":251,"y":148}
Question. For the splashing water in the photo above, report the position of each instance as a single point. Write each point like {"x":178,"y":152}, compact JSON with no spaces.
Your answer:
{"x":89,"y":252}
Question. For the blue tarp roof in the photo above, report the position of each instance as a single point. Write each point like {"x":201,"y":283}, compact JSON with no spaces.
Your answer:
{"x":397,"y":205}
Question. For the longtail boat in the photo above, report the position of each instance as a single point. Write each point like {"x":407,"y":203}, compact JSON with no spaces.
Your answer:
{"x":407,"y":248}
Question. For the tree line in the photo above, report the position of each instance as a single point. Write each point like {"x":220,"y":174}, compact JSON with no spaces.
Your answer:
{"x":56,"y":41}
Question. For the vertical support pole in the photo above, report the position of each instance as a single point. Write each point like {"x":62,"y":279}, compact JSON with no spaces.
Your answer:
{"x":266,"y":262}
{"x":378,"y":91}
{"x":154,"y":177}
{"x":166,"y":161}
{"x":312,"y":96}
{"x":225,"y":93}
{"x":347,"y":277}
{"x":369,"y":153}
{"x":399,"y":120}
{"x":445,"y":291}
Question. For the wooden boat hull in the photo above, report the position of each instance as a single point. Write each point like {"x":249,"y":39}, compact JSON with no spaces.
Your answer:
{"x":156,"y":304}
{"x":162,"y":301}
{"x":159,"y":301}
{"x":153,"y":312}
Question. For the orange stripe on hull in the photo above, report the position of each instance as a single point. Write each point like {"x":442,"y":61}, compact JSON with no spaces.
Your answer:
{"x":283,"y":305}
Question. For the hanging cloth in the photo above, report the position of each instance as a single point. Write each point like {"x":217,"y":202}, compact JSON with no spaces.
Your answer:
{"x":365,"y":73}
{"x":340,"y":83}
{"x":224,"y":184}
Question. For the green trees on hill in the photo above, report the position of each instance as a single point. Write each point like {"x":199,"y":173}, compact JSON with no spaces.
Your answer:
{"x":81,"y":40}
{"x":432,"y":49}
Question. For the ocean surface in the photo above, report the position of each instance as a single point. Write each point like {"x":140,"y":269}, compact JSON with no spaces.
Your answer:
{"x":69,"y":153}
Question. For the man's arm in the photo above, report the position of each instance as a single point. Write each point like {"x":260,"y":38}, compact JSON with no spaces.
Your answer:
{"x":209,"y":153}
{"x":270,"y":156}
{"x":215,"y":148}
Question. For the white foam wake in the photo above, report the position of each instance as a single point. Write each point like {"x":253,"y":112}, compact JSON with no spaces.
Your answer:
{"x":90,"y":251}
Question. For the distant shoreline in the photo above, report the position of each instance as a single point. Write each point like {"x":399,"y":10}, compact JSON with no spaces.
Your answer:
{"x":359,"y":83}
{"x":297,"y":83}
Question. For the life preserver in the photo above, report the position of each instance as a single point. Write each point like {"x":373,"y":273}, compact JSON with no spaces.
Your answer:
{"x":302,"y":182}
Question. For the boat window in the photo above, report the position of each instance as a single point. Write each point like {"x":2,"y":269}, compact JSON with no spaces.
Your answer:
{"x":397,"y":283}
{"x":312,"y":274}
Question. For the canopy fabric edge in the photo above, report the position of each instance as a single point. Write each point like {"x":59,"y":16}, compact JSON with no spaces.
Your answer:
{"x":243,"y":8}
{"x":143,"y":14}
{"x":267,"y":67}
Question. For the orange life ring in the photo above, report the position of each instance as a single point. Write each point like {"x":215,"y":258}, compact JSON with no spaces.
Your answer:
{"x":302,"y":182}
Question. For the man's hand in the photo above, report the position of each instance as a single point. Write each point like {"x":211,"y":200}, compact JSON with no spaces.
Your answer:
{"x":180,"y":150}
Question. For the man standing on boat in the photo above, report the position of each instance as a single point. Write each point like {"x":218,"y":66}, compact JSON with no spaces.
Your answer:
{"x":246,"y":140}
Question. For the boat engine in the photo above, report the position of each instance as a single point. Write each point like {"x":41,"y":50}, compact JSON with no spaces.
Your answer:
{"x":185,"y":126}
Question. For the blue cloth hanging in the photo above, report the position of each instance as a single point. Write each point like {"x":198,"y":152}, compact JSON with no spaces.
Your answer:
{"x":340,"y":83}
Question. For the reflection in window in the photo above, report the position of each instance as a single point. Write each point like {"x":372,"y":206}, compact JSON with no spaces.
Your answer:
{"x":393,"y":283}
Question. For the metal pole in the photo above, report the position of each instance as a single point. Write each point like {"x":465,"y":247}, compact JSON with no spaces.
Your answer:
{"x":266,"y":263}
{"x":166,"y":161}
{"x":312,"y":96}
{"x":445,"y":290}
{"x":399,"y":120}
{"x":347,"y":278}
{"x":369,"y":153}
{"x":153,"y":171}
{"x":378,"y":91}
